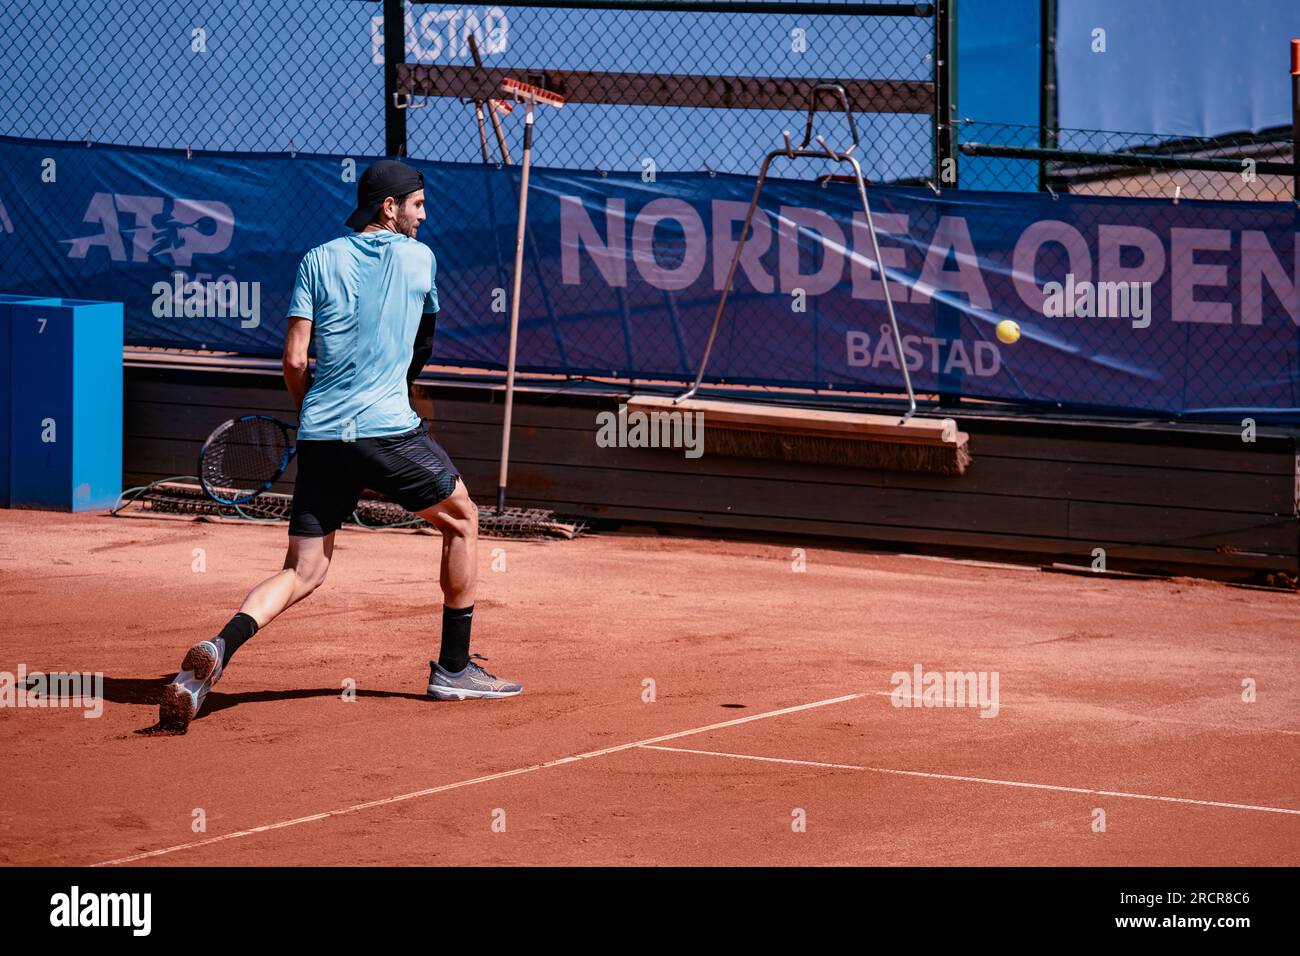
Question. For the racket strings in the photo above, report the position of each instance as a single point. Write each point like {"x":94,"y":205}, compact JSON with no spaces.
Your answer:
{"x":246,"y":456}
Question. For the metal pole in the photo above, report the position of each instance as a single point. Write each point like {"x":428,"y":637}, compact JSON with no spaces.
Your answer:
{"x":884,"y":288}
{"x":731,"y":274}
{"x":1295,"y":118}
{"x":1047,"y":135}
{"x":1128,"y":160}
{"x":945,"y":90}
{"x":394,"y":53}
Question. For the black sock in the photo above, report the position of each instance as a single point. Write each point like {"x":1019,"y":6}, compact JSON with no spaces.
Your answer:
{"x":239,"y":630}
{"x":454,"y":654}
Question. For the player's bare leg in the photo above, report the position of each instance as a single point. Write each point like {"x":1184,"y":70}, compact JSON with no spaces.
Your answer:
{"x":454,"y":676}
{"x":305,"y":565}
{"x":456,"y":517}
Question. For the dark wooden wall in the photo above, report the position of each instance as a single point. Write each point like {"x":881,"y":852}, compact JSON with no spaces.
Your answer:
{"x":1184,"y":499}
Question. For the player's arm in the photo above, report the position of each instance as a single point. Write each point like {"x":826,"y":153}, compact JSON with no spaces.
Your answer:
{"x":422,"y":351}
{"x":297,"y":334}
{"x":297,"y":375}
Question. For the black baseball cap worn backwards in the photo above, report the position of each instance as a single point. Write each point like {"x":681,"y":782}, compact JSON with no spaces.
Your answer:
{"x":384,"y":178}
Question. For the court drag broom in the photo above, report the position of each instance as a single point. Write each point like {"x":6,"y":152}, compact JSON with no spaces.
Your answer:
{"x":521,"y":520}
{"x":787,"y":433}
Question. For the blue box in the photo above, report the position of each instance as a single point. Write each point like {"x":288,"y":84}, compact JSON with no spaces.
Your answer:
{"x":65,"y":415}
{"x":6,"y":300}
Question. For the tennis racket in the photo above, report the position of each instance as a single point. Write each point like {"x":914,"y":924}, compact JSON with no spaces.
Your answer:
{"x":243,"y":457}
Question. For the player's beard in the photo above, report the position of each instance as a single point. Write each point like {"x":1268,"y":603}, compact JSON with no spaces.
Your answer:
{"x":407,"y":226}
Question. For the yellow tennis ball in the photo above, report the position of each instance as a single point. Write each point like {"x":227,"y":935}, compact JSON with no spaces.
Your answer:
{"x":1008,"y":332}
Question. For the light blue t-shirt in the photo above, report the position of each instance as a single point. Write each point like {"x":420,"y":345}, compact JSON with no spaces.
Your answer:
{"x":364,"y":294}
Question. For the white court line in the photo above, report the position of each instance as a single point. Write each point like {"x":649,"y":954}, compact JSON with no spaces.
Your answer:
{"x":961,"y":779}
{"x":469,"y":783}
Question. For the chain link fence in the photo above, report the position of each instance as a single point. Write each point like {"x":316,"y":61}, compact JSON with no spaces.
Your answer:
{"x":229,"y":75}
{"x":1255,"y":167}
{"x":258,"y":76}
{"x":756,"y":53}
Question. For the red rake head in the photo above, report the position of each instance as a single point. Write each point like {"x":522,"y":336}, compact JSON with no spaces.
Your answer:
{"x":528,"y":93}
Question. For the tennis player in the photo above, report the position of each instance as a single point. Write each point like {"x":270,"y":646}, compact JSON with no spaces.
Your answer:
{"x":370,"y":302}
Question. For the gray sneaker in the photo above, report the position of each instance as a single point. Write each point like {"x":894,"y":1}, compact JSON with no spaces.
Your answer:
{"x":183,"y":697}
{"x":473,"y":681}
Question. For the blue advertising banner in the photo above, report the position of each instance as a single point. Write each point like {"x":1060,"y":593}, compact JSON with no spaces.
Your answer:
{"x":1188,"y":308}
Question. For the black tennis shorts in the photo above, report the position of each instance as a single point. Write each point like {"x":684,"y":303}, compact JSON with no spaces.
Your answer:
{"x":410,"y":468}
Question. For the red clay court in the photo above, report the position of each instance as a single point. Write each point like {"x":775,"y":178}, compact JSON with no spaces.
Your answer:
{"x":772,"y":737}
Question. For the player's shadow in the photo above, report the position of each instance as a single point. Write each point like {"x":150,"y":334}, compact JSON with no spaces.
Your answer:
{"x":217,"y":701}
{"x":148,"y":691}
{"x":134,"y":690}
